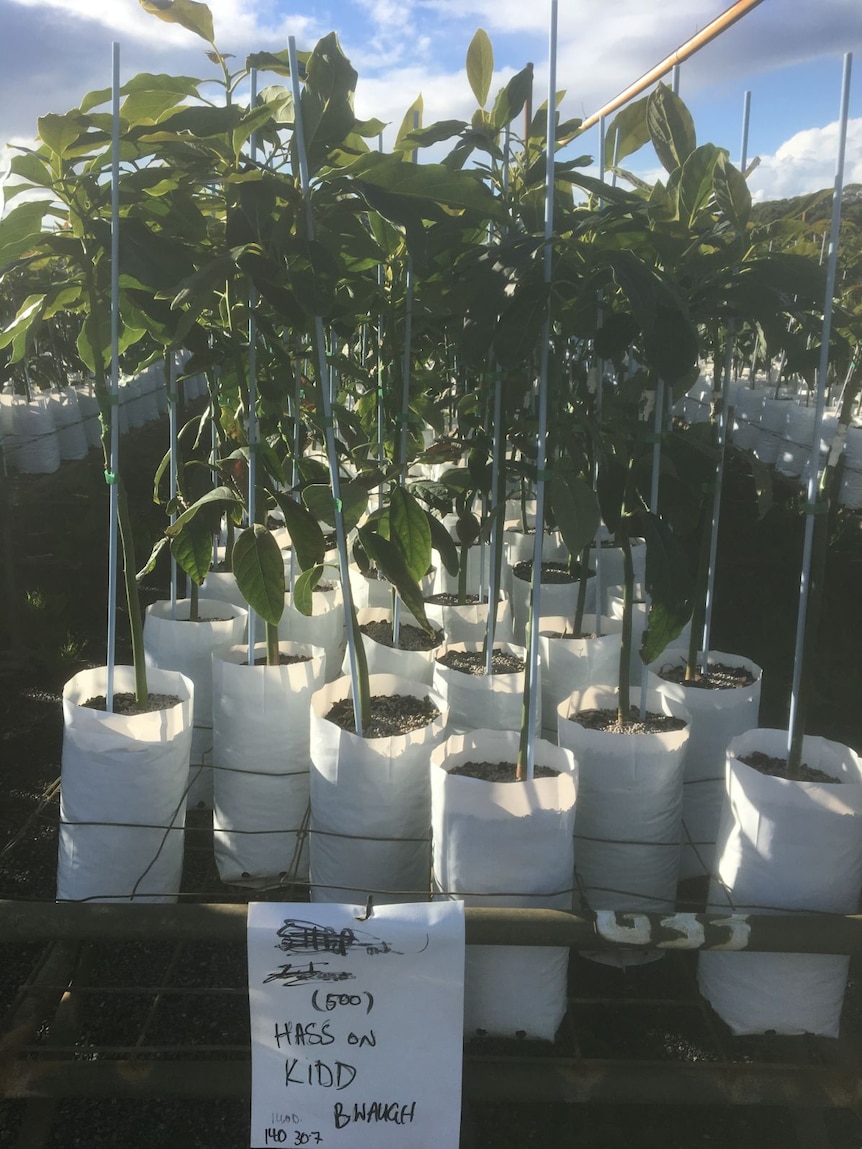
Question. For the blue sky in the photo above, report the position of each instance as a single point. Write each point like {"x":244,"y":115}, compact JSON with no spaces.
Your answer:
{"x":788,"y":53}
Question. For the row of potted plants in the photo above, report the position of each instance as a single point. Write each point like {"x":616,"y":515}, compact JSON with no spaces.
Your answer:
{"x":341,"y":300}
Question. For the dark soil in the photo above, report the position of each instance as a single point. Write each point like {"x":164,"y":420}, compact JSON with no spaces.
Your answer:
{"x":608,"y":721}
{"x":719,"y":677}
{"x":128,"y":704}
{"x":453,"y":599}
{"x":391,"y":715}
{"x":777,"y":768}
{"x":498,"y":771}
{"x":551,"y":572}
{"x":283,"y":659}
{"x":473,"y":661}
{"x":409,"y":637}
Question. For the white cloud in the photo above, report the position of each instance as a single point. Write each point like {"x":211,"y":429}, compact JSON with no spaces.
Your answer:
{"x":244,"y":21}
{"x":807,"y":162}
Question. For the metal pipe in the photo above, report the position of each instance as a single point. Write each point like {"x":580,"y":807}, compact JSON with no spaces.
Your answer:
{"x":822,"y":372}
{"x":29,"y":922}
{"x":113,"y":495}
{"x":322,"y":375}
{"x":721,"y":437}
{"x":532,"y":673}
{"x":683,"y":52}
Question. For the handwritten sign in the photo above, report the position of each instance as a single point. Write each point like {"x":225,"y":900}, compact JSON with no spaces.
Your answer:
{"x":356,"y":1025}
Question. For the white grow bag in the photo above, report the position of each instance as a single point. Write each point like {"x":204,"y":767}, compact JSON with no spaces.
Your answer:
{"x":506,"y":844}
{"x":371,"y":802}
{"x":785,"y":845}
{"x":123,"y":791}
{"x":261,"y":763}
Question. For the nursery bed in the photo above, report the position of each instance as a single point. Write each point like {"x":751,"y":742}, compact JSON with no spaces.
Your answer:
{"x":135,"y":1017}
{"x":149,"y":1044}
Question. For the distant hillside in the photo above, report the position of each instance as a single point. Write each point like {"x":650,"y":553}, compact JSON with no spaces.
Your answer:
{"x":814,"y":208}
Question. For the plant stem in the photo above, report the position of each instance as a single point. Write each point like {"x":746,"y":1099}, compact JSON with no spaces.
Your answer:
{"x":136,"y":624}
{"x":698,"y":617}
{"x":272,"y":652}
{"x":624,"y":543}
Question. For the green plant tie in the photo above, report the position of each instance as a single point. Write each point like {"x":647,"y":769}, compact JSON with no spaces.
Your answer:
{"x":820,"y":508}
{"x":110,"y":477}
{"x":339,"y":506}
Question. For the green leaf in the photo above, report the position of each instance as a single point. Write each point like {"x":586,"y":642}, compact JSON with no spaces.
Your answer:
{"x":192,"y":547}
{"x":696,"y":182}
{"x":304,"y":530}
{"x":731,"y":193}
{"x":59,"y":133}
{"x":412,"y":120}
{"x":390,"y":562}
{"x":220,"y":498}
{"x":520,"y":326}
{"x":433,"y":134}
{"x":480,"y":66}
{"x":627,"y":132}
{"x":29,"y":313}
{"x":431,"y":184}
{"x":148,"y":97}
{"x":671,"y":127}
{"x":511,"y":99}
{"x":576,"y":511}
{"x":443,"y":543}
{"x":354,"y":500}
{"x":259,"y":570}
{"x":410,"y":532}
{"x":189,"y":14}
{"x":303,"y":590}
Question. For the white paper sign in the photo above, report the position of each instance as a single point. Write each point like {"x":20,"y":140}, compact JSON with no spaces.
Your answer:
{"x":356,"y":1025}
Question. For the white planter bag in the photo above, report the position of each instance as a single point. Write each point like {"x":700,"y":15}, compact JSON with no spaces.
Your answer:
{"x":261,"y":763}
{"x":850,"y":493}
{"x":629,"y":809}
{"x":607,"y":561}
{"x":377,"y":592}
{"x":506,"y":844}
{"x":519,"y":547}
{"x":371,"y":802}
{"x":748,"y":409}
{"x":480,"y":701}
{"x":469,"y":623}
{"x":785,"y":846}
{"x":558,"y":600}
{"x":88,"y":405}
{"x":417,"y":665}
{"x":478,"y":567}
{"x":773,"y":424}
{"x":31,"y":445}
{"x":123,"y":792}
{"x":570,"y":664}
{"x":717,"y":716}
{"x":324,"y":627}
{"x":795,"y":452}
{"x":174,"y":643}
{"x":65,"y":412}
